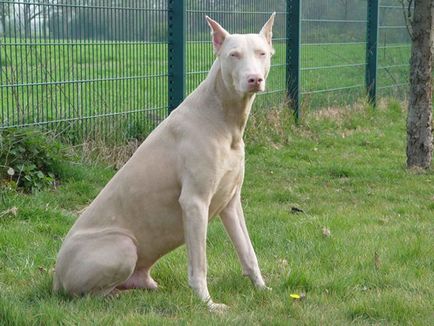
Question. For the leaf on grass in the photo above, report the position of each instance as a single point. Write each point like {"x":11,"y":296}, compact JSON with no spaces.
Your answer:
{"x":11,"y":211}
{"x":42,"y":269}
{"x":296,"y":210}
{"x":276,"y":146}
{"x":282,"y":262}
{"x":377,"y":260}
{"x":283,"y":267}
{"x":326,"y":232}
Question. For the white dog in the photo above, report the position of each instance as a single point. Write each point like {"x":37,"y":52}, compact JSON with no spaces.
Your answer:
{"x":189,"y":169}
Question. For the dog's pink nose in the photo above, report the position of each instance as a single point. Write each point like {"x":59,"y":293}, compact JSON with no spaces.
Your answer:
{"x":254,"y":80}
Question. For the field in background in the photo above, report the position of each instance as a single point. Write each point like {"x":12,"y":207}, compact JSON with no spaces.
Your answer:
{"x":99,"y":70}
{"x":342,"y":169}
{"x":61,"y":81}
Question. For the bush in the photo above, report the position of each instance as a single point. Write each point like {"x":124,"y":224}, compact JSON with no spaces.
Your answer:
{"x":29,"y":159}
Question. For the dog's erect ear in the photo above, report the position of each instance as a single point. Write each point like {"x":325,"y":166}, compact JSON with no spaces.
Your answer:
{"x":267,"y":29}
{"x":218,"y":34}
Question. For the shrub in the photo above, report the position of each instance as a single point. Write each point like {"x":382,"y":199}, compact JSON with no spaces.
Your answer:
{"x":29,"y":159}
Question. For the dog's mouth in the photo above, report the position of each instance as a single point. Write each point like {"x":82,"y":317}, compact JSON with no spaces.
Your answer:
{"x":256,"y":89}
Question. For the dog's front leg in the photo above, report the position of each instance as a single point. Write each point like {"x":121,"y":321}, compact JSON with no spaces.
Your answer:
{"x":233,"y":220}
{"x":195,"y":221}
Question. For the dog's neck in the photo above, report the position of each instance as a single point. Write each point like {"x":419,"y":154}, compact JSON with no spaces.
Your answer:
{"x":234,"y":107}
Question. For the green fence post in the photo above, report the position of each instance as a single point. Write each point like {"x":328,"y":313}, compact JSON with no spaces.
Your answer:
{"x":293,"y":54}
{"x":371,"y":51}
{"x":176,"y":55}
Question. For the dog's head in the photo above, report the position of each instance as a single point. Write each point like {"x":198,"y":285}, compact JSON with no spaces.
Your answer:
{"x":245,"y":58}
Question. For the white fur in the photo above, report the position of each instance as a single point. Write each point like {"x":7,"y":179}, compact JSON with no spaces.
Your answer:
{"x":189,"y":169}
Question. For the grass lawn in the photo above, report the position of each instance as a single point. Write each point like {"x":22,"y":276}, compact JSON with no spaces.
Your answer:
{"x":112,"y":85}
{"x":344,"y":169}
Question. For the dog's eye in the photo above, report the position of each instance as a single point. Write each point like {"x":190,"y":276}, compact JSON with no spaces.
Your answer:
{"x":262,"y":54}
{"x":235,"y":54}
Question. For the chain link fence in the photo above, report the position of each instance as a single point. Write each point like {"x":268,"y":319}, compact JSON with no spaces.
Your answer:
{"x":102,"y":69}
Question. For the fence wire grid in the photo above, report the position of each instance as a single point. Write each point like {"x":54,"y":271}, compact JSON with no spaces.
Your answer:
{"x":99,"y":68}
{"x":394,"y":48}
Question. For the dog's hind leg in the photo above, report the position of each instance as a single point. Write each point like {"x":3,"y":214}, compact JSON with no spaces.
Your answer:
{"x":95,"y":263}
{"x":141,"y":279}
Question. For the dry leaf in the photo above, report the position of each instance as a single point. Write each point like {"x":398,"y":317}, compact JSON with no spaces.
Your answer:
{"x":326,"y":232}
{"x":11,"y":211}
{"x":276,"y":146}
{"x":282,"y":262}
{"x":377,"y":260}
{"x":42,"y":269}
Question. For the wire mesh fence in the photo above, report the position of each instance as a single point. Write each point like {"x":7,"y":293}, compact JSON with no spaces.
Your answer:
{"x":100,"y":68}
{"x":393,"y":49}
{"x":333,"y":47}
{"x":243,"y":16}
{"x":88,"y":68}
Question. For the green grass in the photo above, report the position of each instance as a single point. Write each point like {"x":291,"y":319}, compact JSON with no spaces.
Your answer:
{"x":111,"y":78}
{"x":344,"y":168}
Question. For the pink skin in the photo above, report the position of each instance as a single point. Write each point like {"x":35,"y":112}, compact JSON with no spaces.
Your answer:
{"x":255,"y":83}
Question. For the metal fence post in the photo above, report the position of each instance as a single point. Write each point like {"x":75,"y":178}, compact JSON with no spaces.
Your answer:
{"x":371,"y":51}
{"x":176,"y":55}
{"x":293,"y":54}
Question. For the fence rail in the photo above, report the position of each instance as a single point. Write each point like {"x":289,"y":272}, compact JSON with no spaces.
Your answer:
{"x":113,"y":69}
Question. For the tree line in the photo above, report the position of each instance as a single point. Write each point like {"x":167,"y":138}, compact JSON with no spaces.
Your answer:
{"x":146,"y":20}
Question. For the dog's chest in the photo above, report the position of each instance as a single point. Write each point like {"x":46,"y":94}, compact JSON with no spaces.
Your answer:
{"x":230,"y":178}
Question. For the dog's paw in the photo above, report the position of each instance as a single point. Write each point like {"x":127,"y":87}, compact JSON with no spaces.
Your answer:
{"x":150,"y":284}
{"x":263,"y":287}
{"x":217,"y":307}
{"x":114,"y":294}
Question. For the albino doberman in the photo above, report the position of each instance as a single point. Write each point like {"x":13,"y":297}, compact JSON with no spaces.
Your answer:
{"x":188,"y":170}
